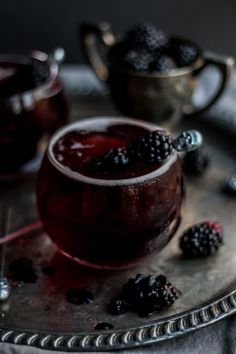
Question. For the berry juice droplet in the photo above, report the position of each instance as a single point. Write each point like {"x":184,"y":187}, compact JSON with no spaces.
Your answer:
{"x":103,"y":326}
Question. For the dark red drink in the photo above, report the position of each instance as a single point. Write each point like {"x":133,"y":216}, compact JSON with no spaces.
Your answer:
{"x":32,"y":104}
{"x":113,"y":219}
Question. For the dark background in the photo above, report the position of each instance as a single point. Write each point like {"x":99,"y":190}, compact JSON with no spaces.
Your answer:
{"x":44,"y":24}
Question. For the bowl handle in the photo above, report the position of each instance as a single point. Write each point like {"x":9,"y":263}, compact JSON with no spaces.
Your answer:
{"x":225,"y":65}
{"x":92,"y":36}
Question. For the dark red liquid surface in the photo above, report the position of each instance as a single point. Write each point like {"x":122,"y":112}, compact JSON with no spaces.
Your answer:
{"x":114,"y":224}
{"x":76,"y":149}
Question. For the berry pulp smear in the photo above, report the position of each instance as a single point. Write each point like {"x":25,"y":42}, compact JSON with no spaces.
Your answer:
{"x":111,"y":220}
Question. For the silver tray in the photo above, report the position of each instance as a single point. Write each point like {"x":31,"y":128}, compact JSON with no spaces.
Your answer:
{"x":38,"y":315}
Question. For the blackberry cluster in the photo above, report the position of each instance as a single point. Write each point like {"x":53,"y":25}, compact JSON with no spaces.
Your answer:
{"x":196,"y":162}
{"x":154,"y":147}
{"x":144,"y":295}
{"x":39,"y":72}
{"x":201,"y":240}
{"x":148,"y":49}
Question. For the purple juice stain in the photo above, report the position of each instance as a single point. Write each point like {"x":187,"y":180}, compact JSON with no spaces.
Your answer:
{"x":79,"y":296}
{"x":23,"y":270}
{"x":103,"y":326}
{"x":48,"y":270}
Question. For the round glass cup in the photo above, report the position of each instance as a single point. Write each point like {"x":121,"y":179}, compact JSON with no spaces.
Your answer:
{"x":109,"y":223}
{"x":29,"y":113}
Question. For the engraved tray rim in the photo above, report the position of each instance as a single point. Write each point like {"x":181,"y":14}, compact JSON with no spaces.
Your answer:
{"x":176,"y":325}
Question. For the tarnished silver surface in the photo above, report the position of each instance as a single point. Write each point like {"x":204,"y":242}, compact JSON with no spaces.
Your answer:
{"x":38,"y":315}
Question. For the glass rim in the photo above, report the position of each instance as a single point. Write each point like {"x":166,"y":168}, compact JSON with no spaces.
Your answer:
{"x":79,"y":177}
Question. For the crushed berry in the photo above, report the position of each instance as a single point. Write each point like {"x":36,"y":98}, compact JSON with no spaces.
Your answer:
{"x":79,"y":296}
{"x":145,"y":295}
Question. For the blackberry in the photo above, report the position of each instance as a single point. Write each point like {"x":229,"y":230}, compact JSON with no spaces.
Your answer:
{"x":117,"y":306}
{"x":184,"y":54}
{"x":163,"y":64}
{"x":196,"y":162}
{"x":115,"y":159}
{"x":167,"y":295}
{"x":155,"y":294}
{"x":79,"y":296}
{"x":144,"y":295}
{"x":137,"y":61}
{"x":201,"y":240}
{"x":133,"y":290}
{"x":153,"y":147}
{"x":39,"y":72}
{"x":147,"y":37}
{"x":23,"y":270}
{"x":103,"y":326}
